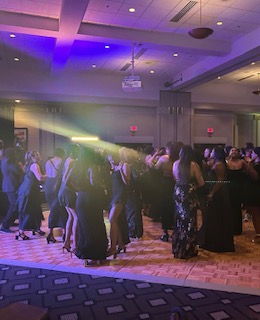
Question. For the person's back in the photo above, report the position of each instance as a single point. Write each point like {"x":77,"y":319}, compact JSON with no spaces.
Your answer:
{"x":12,"y":175}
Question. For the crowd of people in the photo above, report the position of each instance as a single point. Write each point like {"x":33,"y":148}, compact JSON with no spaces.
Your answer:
{"x":169,"y":185}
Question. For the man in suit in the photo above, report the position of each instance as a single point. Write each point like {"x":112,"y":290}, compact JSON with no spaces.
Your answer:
{"x":12,"y":173}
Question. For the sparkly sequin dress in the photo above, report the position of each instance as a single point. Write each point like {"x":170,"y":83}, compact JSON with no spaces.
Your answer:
{"x":184,"y":242}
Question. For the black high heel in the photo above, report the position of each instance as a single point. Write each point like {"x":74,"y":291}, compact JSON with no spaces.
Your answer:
{"x":22,"y":236}
{"x":91,"y":263}
{"x":73,"y":251}
{"x":50,"y":238}
{"x":121,"y":249}
{"x":164,"y":237}
{"x":65,"y":248}
{"x":40,"y":232}
{"x":112,"y":253}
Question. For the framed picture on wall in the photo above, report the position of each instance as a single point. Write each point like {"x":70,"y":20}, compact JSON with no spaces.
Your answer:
{"x":20,"y":140}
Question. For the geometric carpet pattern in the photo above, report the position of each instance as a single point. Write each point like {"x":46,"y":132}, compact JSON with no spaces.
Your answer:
{"x":72,"y":296}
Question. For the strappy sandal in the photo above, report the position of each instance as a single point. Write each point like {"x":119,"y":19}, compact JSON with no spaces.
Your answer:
{"x":22,"y":236}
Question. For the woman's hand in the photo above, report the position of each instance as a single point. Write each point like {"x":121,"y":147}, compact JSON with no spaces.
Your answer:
{"x":210,"y":196}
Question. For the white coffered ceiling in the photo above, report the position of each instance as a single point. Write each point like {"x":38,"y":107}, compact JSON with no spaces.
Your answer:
{"x":62,"y":42}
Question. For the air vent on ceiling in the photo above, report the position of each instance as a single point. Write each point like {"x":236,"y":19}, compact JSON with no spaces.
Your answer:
{"x":247,"y":77}
{"x":136,"y":56}
{"x":125,"y":67}
{"x":183,"y":11}
{"x":140,"y":53}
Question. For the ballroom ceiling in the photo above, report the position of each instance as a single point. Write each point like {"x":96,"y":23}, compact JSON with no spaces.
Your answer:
{"x":43,"y":42}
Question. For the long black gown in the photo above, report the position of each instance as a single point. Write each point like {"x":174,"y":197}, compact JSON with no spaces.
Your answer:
{"x":119,"y":194}
{"x":218,"y":221}
{"x":92,"y":241}
{"x":236,"y":179}
{"x":58,"y":214}
{"x":184,"y":242}
{"x":252,"y":190}
{"x":29,"y":202}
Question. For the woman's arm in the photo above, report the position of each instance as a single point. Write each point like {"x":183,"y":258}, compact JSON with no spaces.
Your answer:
{"x":249,"y":169}
{"x":125,"y":172}
{"x":35,"y":168}
{"x":152,"y":160}
{"x":197,"y":174}
{"x":174,"y":169}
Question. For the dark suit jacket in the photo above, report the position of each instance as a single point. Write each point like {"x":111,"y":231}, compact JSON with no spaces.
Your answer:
{"x":12,"y":176}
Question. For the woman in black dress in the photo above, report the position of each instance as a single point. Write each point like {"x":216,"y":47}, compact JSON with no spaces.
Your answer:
{"x":29,"y":197}
{"x":58,"y":214}
{"x":120,"y":181}
{"x":67,"y":198}
{"x":252,"y":194}
{"x":188,"y":177}
{"x":236,"y":176}
{"x":92,"y":237}
{"x":218,"y":221}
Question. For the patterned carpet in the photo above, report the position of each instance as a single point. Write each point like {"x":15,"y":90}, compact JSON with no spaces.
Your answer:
{"x":75,"y":296}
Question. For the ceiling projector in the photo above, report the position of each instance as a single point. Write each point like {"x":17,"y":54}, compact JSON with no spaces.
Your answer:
{"x":132,"y":84}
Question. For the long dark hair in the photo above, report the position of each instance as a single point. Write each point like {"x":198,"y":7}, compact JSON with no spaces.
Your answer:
{"x":86,"y":160}
{"x":174,"y":148}
{"x":219,"y":154}
{"x":185,"y":157}
{"x":73,"y":150}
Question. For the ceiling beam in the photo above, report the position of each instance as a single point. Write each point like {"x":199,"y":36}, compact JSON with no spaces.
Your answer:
{"x":153,"y":40}
{"x":71,"y":16}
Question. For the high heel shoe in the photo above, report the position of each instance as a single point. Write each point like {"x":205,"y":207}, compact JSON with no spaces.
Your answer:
{"x":113,"y":253}
{"x":22,"y":236}
{"x":119,"y":249}
{"x":65,"y":248}
{"x":164,"y":237}
{"x":50,"y":238}
{"x":91,"y":263}
{"x":40,"y":232}
{"x":73,"y":251}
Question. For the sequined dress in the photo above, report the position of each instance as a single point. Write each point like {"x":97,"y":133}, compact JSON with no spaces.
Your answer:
{"x":184,"y":242}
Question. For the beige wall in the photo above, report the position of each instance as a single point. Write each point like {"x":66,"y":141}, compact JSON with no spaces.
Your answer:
{"x":50,"y":126}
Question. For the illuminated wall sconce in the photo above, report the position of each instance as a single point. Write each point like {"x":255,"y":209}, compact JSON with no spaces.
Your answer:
{"x":210,"y":131}
{"x":133,"y":130}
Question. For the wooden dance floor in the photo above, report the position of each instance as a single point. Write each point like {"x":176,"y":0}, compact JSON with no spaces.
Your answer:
{"x":148,"y":259}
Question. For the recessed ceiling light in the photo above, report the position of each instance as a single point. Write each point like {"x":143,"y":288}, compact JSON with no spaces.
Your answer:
{"x":252,"y":63}
{"x":219,"y":77}
{"x":12,"y":35}
{"x":151,"y":71}
{"x":175,"y":54}
{"x":93,"y":65}
{"x":17,"y":100}
{"x":107,"y":46}
{"x":219,"y":23}
{"x":131,"y":10}
{"x":16,"y":59}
